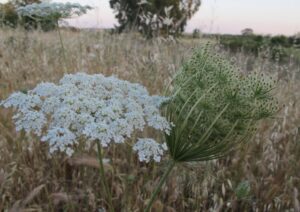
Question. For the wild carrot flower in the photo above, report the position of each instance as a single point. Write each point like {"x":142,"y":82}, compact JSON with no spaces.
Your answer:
{"x":215,"y":109}
{"x":98,"y":108}
{"x":148,"y":148}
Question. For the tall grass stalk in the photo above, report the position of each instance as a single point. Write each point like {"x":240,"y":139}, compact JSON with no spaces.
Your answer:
{"x":103,"y":178}
{"x":62,"y":46}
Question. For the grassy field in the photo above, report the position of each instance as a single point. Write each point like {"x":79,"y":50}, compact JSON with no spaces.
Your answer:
{"x":262,"y":176}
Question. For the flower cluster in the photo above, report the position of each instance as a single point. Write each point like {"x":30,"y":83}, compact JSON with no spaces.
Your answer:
{"x":147,"y":148}
{"x":98,"y":108}
{"x":215,"y":107}
{"x":53,"y":10}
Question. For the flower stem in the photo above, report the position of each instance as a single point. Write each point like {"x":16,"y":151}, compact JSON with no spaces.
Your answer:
{"x":103,"y":179}
{"x":62,"y":44}
{"x":161,"y":182}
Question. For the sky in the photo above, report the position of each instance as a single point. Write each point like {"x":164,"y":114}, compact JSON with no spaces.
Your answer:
{"x":215,"y":16}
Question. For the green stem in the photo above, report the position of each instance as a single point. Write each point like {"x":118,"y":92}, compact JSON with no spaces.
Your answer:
{"x":61,"y":43}
{"x":161,"y":182}
{"x":103,"y":179}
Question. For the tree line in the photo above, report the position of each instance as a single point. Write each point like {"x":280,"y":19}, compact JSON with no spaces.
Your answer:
{"x":149,"y":17}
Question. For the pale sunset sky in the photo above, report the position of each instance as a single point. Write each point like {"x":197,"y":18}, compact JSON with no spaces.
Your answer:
{"x":216,"y":16}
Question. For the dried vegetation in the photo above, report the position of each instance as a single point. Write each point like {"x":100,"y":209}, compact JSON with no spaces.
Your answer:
{"x":262,"y":176}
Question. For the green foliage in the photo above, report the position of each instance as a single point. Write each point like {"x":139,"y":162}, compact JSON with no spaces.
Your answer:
{"x":215,"y":108}
{"x":280,"y":47}
{"x":49,"y":14}
{"x":34,"y":14}
{"x":281,"y":40}
{"x":196,"y":33}
{"x":8,"y":15}
{"x":30,"y":23}
{"x":242,"y":191}
{"x":154,"y":17}
{"x":248,"y":43}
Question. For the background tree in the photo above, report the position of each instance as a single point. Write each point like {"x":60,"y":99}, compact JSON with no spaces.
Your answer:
{"x":247,"y":31}
{"x":196,"y":33}
{"x":33,"y":14}
{"x":296,"y":41}
{"x":8,"y":15}
{"x":50,"y":14}
{"x":154,"y":17}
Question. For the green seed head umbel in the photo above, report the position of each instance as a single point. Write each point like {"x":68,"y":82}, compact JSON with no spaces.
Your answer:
{"x":215,"y":108}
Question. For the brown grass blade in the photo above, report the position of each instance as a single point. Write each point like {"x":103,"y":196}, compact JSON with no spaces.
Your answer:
{"x":34,"y":193}
{"x":296,"y":201}
{"x":60,"y":198}
{"x":87,"y":161}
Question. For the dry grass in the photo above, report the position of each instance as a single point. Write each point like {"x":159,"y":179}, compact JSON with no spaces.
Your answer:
{"x":30,"y":180}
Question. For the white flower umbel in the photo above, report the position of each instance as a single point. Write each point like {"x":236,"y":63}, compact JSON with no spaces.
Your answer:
{"x":54,"y":9}
{"x":95,"y":107}
{"x":148,"y":148}
{"x":60,"y":139}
